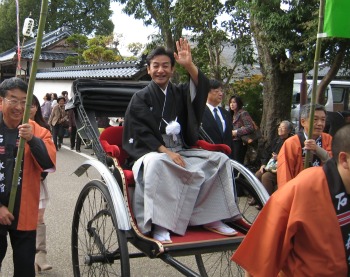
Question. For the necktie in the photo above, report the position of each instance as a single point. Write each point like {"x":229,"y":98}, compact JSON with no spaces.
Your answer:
{"x":218,"y":121}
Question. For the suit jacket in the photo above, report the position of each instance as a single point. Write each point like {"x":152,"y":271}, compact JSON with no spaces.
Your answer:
{"x":212,"y":129}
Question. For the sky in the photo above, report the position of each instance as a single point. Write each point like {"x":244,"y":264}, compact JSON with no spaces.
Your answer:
{"x":132,"y":30}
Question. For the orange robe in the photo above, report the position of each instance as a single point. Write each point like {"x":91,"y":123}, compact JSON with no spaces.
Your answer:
{"x":297,"y":233}
{"x":30,"y":187}
{"x":290,"y":160}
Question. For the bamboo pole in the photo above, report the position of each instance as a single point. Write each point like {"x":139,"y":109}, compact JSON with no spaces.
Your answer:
{"x":37,"y":51}
{"x":315,"y":77}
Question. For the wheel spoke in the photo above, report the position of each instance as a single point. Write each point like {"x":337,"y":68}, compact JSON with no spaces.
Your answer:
{"x":98,"y":249}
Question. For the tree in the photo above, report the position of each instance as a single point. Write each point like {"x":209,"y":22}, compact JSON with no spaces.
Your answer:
{"x":197,"y":16}
{"x":159,"y":13}
{"x":201,"y":19}
{"x":8,"y":21}
{"x":135,"y":48}
{"x":99,"y":52}
{"x":250,"y":89}
{"x":83,"y":16}
{"x":285,"y":41}
{"x":78,"y":43}
{"x":91,"y":51}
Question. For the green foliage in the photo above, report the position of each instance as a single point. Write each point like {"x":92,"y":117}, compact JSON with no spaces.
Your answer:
{"x":135,"y":48}
{"x":73,"y":60}
{"x":78,"y":43}
{"x":8,"y":21}
{"x":92,"y":51}
{"x":288,"y":33}
{"x":82,"y":16}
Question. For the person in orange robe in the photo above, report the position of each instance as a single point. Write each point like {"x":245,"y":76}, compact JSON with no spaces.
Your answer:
{"x":304,"y":229}
{"x":39,"y":155}
{"x":291,"y":156}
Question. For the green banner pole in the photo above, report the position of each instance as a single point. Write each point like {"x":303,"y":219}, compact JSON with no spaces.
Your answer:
{"x":315,"y":77}
{"x":37,"y":51}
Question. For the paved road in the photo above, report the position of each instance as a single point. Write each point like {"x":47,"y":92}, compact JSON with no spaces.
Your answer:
{"x":64,"y":189}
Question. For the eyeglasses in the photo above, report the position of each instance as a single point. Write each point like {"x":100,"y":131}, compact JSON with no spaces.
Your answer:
{"x":14,"y":102}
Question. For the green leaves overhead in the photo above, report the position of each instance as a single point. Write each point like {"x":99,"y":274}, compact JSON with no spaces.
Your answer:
{"x":83,"y":16}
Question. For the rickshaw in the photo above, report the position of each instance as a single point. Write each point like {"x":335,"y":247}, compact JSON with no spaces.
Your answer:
{"x":105,"y":236}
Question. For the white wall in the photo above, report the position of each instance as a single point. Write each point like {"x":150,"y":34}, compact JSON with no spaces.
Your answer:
{"x":41,"y":87}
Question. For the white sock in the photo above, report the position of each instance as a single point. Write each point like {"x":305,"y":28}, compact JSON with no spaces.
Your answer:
{"x":161,"y":233}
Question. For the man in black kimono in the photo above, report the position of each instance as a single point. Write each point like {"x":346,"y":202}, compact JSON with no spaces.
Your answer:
{"x":176,"y":186}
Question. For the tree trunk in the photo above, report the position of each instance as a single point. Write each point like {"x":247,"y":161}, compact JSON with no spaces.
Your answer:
{"x":278,"y":86}
{"x":333,"y":71}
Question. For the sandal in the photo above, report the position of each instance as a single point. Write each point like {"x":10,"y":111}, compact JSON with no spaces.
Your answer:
{"x":220,"y":228}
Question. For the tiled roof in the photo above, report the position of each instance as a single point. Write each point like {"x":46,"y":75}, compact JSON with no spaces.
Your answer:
{"x":48,"y":56}
{"x":120,"y":70}
{"x":48,"y":40}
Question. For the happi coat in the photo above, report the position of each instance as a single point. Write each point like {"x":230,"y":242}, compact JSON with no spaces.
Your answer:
{"x":28,"y":192}
{"x":297,"y":232}
{"x":290,"y":160}
{"x":166,"y":194}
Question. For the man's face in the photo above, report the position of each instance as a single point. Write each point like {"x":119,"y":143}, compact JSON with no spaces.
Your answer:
{"x":160,"y":70}
{"x":13,"y":105}
{"x":215,"y":96}
{"x":319,"y":124}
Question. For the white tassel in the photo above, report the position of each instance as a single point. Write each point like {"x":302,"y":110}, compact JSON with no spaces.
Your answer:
{"x":173,"y":128}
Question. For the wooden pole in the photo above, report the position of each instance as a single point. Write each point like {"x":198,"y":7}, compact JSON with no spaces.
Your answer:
{"x":37,"y":51}
{"x":315,"y":77}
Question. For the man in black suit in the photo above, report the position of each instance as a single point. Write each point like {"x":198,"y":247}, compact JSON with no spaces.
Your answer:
{"x":217,"y":122}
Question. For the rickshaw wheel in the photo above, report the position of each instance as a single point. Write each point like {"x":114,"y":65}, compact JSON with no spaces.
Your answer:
{"x":98,"y":247}
{"x":220,"y":263}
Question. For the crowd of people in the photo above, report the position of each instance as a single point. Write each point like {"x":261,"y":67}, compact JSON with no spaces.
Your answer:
{"x":161,"y":124}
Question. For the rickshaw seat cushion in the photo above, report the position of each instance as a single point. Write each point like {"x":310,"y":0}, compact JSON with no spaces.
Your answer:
{"x":213,"y":147}
{"x":112,"y":150}
{"x":129,"y":177}
{"x":112,"y":140}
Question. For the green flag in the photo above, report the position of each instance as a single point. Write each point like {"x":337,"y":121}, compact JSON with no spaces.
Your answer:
{"x":337,"y":18}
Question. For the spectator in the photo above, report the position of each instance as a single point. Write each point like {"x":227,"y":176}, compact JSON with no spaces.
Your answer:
{"x":292,"y":154}
{"x":58,"y":121}
{"x":217,"y":121}
{"x":41,"y":263}
{"x":53,"y":99}
{"x":75,"y":140}
{"x":242,"y":125}
{"x":39,"y":155}
{"x":46,"y":107}
{"x":193,"y":186}
{"x":267,"y":174}
{"x":65,"y":95}
{"x":302,"y":230}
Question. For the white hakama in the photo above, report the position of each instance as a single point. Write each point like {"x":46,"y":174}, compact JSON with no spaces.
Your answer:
{"x":174,"y":197}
